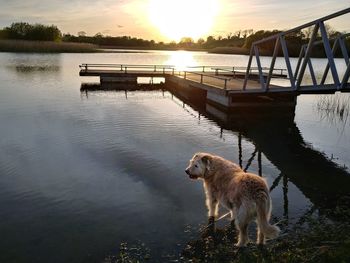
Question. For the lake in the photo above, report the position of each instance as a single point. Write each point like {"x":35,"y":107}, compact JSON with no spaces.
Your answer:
{"x":80,"y":173}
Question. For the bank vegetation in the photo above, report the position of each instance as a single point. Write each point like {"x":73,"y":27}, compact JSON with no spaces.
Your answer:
{"x":239,"y":42}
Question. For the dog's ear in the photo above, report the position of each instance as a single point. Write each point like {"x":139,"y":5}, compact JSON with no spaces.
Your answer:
{"x":206,"y":160}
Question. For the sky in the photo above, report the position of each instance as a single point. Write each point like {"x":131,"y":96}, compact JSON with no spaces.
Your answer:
{"x":137,"y":17}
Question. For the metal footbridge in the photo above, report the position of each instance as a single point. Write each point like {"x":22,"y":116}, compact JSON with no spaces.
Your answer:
{"x":225,"y":82}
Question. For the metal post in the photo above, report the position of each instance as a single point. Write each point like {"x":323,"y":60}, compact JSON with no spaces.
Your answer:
{"x":286,"y":57}
{"x":155,"y":68}
{"x":225,"y":87}
{"x":126,"y":70}
{"x":248,"y":68}
{"x":325,"y":73}
{"x":301,"y":54}
{"x":272,"y":66}
{"x":201,"y":78}
{"x":261,"y":76}
{"x":307,"y":55}
{"x":328,"y":50}
{"x":346,"y":77}
{"x":203,"y":69}
{"x":343,"y":49}
{"x":312,"y":73}
{"x":173,"y":71}
{"x":184,"y":74}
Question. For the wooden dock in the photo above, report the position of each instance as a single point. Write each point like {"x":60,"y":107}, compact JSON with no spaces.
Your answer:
{"x":222,"y":86}
{"x":246,"y":86}
{"x":215,"y":83}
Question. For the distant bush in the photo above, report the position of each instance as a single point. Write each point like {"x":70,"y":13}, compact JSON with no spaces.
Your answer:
{"x":25,"y":31}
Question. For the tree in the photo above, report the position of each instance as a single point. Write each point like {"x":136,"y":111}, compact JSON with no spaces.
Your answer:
{"x":81,"y":34}
{"x":258,"y":36}
{"x":200,"y":41}
{"x":186,"y":40}
{"x":27,"y":31}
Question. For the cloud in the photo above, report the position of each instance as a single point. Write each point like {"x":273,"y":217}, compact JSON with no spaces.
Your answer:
{"x":93,"y":16}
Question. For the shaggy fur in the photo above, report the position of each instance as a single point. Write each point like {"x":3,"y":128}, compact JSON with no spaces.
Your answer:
{"x":246,"y":195}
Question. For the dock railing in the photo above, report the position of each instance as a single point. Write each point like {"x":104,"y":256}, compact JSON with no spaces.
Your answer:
{"x":126,"y":68}
{"x":220,"y":75}
{"x":304,"y":60}
{"x":200,"y":77}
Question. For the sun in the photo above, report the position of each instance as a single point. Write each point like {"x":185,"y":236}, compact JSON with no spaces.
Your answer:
{"x":183,"y":18}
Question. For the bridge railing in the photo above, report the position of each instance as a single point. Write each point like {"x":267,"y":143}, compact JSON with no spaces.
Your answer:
{"x":296,"y":76}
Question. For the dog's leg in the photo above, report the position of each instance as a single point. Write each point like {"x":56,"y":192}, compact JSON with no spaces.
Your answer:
{"x":260,"y":237}
{"x":212,"y":204}
{"x":233,"y":214}
{"x":242,"y":222}
{"x":213,"y":208}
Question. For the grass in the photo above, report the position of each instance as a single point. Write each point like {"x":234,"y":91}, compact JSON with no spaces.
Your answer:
{"x":45,"y":47}
{"x":315,"y":238}
{"x":334,"y":107}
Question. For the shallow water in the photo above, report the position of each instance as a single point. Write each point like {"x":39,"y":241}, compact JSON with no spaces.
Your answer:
{"x":80,"y":173}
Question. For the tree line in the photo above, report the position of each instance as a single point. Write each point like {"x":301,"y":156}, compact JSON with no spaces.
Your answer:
{"x":26,"y":31}
{"x":242,"y":39}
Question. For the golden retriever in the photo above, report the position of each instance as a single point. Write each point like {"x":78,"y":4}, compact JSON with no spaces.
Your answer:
{"x":246,"y":195}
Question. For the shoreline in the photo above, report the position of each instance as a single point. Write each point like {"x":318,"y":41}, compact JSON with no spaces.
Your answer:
{"x":28,"y":46}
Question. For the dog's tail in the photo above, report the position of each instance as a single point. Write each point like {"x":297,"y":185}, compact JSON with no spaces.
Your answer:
{"x":263,"y":209}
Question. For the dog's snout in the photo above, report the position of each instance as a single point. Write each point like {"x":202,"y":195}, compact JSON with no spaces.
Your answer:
{"x":187,"y":171}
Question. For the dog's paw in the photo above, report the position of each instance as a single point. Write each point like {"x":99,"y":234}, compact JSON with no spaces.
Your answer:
{"x":211,"y":220}
{"x":242,"y":243}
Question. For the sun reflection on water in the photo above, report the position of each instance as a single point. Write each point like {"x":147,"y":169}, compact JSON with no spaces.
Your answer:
{"x":182,"y":60}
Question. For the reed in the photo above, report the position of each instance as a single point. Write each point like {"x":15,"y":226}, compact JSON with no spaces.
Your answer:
{"x":45,"y":47}
{"x":334,"y":107}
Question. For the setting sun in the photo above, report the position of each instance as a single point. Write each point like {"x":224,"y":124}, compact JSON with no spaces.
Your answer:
{"x":183,"y":18}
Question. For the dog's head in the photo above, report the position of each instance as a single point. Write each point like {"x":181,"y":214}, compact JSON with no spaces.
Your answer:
{"x":199,"y":166}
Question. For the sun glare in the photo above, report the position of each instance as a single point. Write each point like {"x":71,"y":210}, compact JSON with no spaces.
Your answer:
{"x":181,"y":60}
{"x":183,"y":18}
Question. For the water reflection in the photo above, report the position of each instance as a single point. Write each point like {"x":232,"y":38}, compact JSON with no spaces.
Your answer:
{"x":35,"y":64}
{"x":181,"y":60}
{"x":276,"y":135}
{"x":273,"y":137}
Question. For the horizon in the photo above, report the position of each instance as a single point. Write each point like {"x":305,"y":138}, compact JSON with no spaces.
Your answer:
{"x":157,"y":19}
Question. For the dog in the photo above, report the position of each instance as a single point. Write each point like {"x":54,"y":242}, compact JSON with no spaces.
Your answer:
{"x":245,"y":195}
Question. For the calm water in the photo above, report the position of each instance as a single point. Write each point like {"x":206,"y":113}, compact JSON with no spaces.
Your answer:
{"x":80,"y":173}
